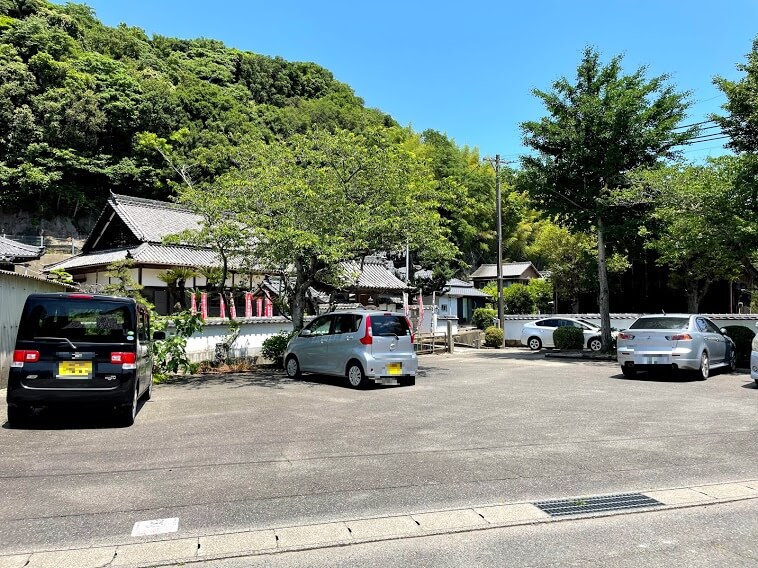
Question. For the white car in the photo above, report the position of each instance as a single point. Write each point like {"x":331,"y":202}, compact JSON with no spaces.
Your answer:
{"x":538,"y":334}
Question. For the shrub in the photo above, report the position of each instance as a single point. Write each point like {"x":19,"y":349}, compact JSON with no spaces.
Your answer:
{"x":170,"y":355}
{"x":517,"y":299}
{"x":568,"y":337}
{"x":541,"y":291}
{"x":743,"y":339}
{"x":274,"y":346}
{"x":493,"y":336}
{"x":483,"y":317}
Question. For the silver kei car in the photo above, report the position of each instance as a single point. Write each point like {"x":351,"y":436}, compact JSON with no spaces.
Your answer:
{"x":674,"y":341}
{"x":361,"y":345}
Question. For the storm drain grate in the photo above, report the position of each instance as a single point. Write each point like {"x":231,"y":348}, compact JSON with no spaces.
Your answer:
{"x":585,"y":505}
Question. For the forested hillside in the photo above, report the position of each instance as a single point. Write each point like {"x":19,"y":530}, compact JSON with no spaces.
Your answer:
{"x":74,"y":94}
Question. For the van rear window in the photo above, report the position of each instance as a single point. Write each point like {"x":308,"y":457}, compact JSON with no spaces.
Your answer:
{"x":98,"y":321}
{"x":389,"y":325}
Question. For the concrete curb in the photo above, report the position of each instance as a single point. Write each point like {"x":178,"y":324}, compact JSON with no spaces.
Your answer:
{"x":357,"y":531}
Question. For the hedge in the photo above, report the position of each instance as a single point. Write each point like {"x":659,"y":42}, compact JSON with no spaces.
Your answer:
{"x":482,"y":317}
{"x":568,"y":337}
{"x":493,"y":336}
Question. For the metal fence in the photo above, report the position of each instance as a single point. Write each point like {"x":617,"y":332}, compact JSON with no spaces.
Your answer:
{"x":50,"y":242}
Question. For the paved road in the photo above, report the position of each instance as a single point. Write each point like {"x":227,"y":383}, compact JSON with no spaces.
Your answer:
{"x":260,"y":451}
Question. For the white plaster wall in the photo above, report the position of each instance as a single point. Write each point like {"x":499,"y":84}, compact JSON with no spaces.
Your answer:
{"x":514,"y":324}
{"x":253,"y":332}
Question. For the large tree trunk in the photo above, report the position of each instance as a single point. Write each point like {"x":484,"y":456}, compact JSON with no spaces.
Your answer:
{"x":302,"y":283}
{"x":602,"y":273}
{"x":695,"y":294}
{"x":575,"y":306}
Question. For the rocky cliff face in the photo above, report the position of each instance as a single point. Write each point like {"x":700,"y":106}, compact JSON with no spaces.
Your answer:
{"x":61,"y":228}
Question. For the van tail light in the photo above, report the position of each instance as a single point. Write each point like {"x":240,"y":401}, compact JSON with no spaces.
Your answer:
{"x":368,"y":338}
{"x":623,"y":335}
{"x":127,"y":359}
{"x":21,"y":356}
{"x":679,"y":337}
{"x":410,"y":328}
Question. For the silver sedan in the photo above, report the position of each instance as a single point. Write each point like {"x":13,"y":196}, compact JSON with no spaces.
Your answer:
{"x":674,"y":341}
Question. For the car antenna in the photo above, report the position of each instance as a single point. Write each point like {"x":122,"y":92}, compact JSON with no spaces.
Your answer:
{"x":663,"y":312}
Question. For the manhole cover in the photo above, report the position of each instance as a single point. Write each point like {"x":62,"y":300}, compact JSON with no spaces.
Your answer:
{"x":584,"y":505}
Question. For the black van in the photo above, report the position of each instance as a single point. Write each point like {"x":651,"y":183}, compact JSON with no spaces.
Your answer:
{"x":81,"y":349}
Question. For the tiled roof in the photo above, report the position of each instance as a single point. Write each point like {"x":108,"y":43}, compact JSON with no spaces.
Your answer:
{"x":464,"y":291}
{"x":15,"y":251}
{"x":374,"y":276}
{"x":146,"y":253}
{"x":510,"y":270}
{"x":151,"y":220}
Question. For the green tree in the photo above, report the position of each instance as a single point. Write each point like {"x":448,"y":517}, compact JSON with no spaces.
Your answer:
{"x":695,"y":223}
{"x":322,"y":198}
{"x":541,"y":291}
{"x":517,"y":299}
{"x":740,"y":122}
{"x":571,"y":259}
{"x":125,"y":284}
{"x":599,"y":128}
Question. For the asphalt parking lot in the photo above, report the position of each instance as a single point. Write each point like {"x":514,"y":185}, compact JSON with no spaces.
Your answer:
{"x":258,"y":450}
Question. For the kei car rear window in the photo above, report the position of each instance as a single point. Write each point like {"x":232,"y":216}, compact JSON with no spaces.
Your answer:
{"x":389,"y":325}
{"x":97,"y":321}
{"x":661,"y":323}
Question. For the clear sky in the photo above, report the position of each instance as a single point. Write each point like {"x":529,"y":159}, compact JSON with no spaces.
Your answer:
{"x":467,"y":68}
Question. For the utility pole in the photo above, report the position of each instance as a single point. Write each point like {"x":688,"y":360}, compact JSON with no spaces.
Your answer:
{"x":499,"y":215}
{"x":499,"y":225}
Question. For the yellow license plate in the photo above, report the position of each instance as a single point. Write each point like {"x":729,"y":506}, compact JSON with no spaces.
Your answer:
{"x":74,"y":368}
{"x":394,"y":368}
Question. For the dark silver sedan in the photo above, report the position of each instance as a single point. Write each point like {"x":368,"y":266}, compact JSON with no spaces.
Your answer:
{"x":674,"y":341}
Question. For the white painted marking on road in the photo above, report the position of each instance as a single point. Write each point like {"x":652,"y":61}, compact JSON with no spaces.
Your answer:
{"x":155,"y":526}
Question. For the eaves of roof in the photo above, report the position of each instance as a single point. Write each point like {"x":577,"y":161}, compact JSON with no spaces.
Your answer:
{"x":144,"y":254}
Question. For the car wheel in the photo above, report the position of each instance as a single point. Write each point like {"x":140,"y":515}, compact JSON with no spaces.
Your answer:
{"x":408,"y":381}
{"x":356,"y":378}
{"x":126,"y":414}
{"x":705,"y":366}
{"x":17,"y":415}
{"x":148,"y":394}
{"x":629,"y":372}
{"x":292,"y":366}
{"x":534,"y":343}
{"x":595,"y":344}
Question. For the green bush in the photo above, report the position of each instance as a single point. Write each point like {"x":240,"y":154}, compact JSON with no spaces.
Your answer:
{"x":483,"y":317}
{"x":274,"y":346}
{"x":170,"y":355}
{"x":517,"y":299}
{"x":493,"y":336}
{"x":743,"y":339}
{"x":568,"y":337}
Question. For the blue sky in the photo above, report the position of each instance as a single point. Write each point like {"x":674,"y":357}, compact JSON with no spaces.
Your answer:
{"x":467,"y":68}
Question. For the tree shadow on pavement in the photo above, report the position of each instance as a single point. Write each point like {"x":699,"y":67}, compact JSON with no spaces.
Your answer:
{"x":266,"y":377}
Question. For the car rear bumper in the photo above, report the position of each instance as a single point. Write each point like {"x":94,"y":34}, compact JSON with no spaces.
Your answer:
{"x":658,"y":359}
{"x":25,"y":393}
{"x":385,"y":369}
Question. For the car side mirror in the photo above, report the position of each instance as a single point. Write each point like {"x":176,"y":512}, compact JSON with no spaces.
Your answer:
{"x":306,"y":333}
{"x":723,"y":330}
{"x":159,"y":335}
